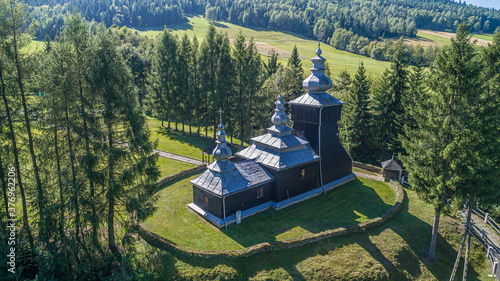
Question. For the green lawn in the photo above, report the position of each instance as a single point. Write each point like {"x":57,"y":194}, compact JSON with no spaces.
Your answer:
{"x":170,"y":167}
{"x":338,"y":60}
{"x":182,"y":143}
{"x":394,"y":251}
{"x":350,"y":204}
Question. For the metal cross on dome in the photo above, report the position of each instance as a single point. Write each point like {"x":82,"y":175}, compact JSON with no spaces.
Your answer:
{"x":319,"y":36}
{"x":280,"y":81}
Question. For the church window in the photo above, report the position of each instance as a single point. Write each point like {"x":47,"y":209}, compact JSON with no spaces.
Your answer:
{"x":260,"y":192}
{"x":206,"y":200}
{"x":303,"y":174}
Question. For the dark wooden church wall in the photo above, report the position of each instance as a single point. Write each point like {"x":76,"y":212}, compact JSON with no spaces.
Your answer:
{"x":335,"y":161}
{"x":247,"y":199}
{"x":289,"y":180}
{"x":214,"y":205}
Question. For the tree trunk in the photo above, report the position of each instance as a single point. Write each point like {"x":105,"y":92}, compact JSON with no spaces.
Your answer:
{"x":111,"y":191}
{"x":73,"y":174}
{"x":17,"y":165}
{"x":41,"y":207}
{"x":89,"y":176}
{"x":435,"y":227}
{"x":59,"y":176}
{"x":4,"y":192}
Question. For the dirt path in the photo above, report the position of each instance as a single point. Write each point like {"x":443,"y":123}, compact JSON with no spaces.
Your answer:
{"x":178,"y":157}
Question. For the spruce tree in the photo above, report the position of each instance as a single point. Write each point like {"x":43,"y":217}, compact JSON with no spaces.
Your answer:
{"x":355,"y":133}
{"x":388,"y":106}
{"x":14,"y":15}
{"x":208,"y":58}
{"x":162,"y":80}
{"x":298,"y":73}
{"x":241,"y":91}
{"x":272,"y":64}
{"x":184,"y":80}
{"x":449,"y":154}
{"x":131,"y":170}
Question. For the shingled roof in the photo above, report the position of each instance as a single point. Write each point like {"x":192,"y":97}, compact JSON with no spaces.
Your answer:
{"x":279,"y":149}
{"x":391,"y":165}
{"x":231,"y":178}
{"x":316,"y":100}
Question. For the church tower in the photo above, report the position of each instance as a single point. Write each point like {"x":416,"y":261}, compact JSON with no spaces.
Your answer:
{"x":315,"y":116}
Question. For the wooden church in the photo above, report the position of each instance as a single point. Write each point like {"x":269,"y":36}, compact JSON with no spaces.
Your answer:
{"x":282,"y":167}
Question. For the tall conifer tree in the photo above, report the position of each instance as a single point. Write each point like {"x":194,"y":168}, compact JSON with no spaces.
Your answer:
{"x":449,"y":156}
{"x":355,"y":132}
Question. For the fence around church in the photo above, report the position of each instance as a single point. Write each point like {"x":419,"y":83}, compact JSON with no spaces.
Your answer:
{"x":167,"y":245}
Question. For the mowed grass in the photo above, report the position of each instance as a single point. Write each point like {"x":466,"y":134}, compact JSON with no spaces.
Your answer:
{"x":433,"y":38}
{"x":483,"y":36}
{"x":170,"y":167}
{"x":338,"y":60}
{"x":394,"y":251}
{"x":349,"y":204}
{"x":182,"y":143}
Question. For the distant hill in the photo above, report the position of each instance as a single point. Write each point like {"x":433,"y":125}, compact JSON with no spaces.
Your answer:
{"x":371,"y":19}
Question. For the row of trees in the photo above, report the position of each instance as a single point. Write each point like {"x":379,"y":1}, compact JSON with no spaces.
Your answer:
{"x":189,"y":82}
{"x":75,"y":131}
{"x":442,"y":122}
{"x":346,"y":40}
{"x":85,"y":170}
{"x":371,"y":19}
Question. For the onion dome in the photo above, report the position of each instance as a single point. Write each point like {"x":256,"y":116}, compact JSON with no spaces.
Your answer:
{"x":317,"y":82}
{"x":279,"y":117}
{"x":221,"y":151}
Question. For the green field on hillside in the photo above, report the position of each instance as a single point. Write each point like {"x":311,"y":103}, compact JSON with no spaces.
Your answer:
{"x":338,"y":60}
{"x":433,"y":38}
{"x":483,"y":36}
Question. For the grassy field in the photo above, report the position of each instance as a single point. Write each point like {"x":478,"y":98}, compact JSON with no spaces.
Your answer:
{"x":182,"y":143}
{"x":483,"y":36}
{"x":338,"y":60}
{"x":170,"y":167}
{"x":350,"y":204}
{"x":394,"y":251}
{"x":433,"y":38}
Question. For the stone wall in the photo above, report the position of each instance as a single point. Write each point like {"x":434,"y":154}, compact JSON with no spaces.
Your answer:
{"x":182,"y":174}
{"x":167,"y":245}
{"x":368,"y":167}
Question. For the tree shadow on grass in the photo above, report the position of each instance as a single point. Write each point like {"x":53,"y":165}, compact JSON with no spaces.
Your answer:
{"x":194,"y":140}
{"x":404,"y":264}
{"x":341,"y":207}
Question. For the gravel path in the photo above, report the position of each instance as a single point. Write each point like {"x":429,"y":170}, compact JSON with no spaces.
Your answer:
{"x":177,"y":157}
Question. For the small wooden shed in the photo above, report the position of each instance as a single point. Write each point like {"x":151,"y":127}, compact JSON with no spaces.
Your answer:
{"x":392,"y":169}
